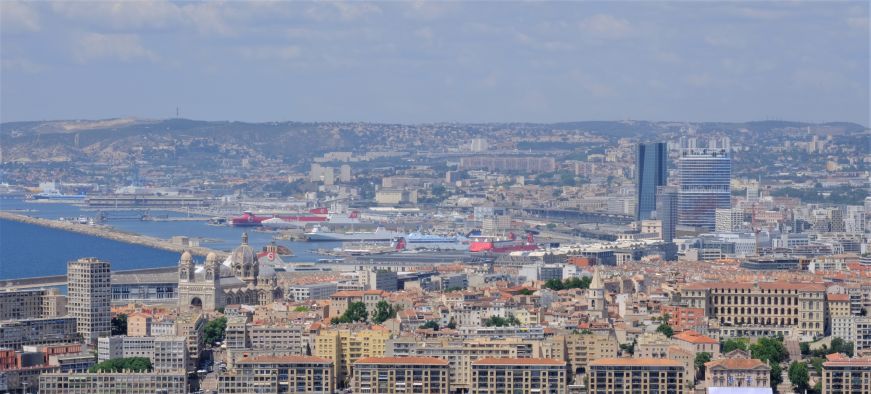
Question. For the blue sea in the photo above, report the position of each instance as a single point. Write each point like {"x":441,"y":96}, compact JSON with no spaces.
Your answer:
{"x":28,"y":250}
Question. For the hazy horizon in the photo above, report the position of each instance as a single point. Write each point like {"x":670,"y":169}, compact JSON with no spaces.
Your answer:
{"x":420,"y":62}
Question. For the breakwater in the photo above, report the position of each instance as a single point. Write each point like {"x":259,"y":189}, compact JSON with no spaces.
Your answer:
{"x":110,"y":233}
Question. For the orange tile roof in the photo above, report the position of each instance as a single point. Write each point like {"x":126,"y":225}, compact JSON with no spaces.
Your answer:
{"x":839,"y":297}
{"x":402,"y":360}
{"x":284,"y":359}
{"x":694,"y":337}
{"x":518,"y":361}
{"x":635,"y":362}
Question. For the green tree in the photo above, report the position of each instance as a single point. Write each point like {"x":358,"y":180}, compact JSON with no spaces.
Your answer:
{"x":665,"y":329}
{"x":526,"y":292}
{"x":120,"y":364}
{"x":701,"y":359}
{"x":356,"y":312}
{"x":628,"y":348}
{"x":301,"y":308}
{"x":776,"y":376}
{"x":119,"y":324}
{"x":798,"y":375}
{"x":733,"y":344}
{"x":214,"y":330}
{"x":431,"y":324}
{"x":383,"y":311}
{"x":499,"y":321}
{"x":452,"y":324}
{"x":554,"y":284}
{"x":769,"y":349}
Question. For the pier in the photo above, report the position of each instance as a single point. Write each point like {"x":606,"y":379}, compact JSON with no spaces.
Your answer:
{"x":110,"y":233}
{"x":61,"y":280}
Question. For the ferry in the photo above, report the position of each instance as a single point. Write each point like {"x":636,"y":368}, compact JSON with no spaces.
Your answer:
{"x":380,"y":234}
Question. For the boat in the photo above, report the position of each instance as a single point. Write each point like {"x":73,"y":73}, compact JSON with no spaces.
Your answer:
{"x":418,"y":241}
{"x":313,"y":216}
{"x":380,"y":234}
{"x":494,"y":245}
{"x":56,"y":195}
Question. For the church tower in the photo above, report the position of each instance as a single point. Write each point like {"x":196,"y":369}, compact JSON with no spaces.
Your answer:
{"x":596,"y":307}
{"x":186,"y":267}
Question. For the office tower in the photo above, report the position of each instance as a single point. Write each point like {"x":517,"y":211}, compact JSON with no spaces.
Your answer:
{"x":651,"y":171}
{"x":666,"y":210}
{"x":90,"y":297}
{"x":704,"y":186}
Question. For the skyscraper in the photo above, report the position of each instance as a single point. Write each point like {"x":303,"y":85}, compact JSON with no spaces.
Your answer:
{"x":704,"y":186}
{"x":651,"y":171}
{"x":90,"y":297}
{"x":666,"y":210}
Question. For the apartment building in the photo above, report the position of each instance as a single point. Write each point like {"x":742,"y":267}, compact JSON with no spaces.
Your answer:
{"x":314,"y":291}
{"x":17,"y":333}
{"x":843,"y":375}
{"x":31,"y":304}
{"x":394,"y":375}
{"x":525,"y":375}
{"x":113,"y":383}
{"x":761,"y":309}
{"x":280,"y":375}
{"x":343,"y":347}
{"x":636,"y":375}
{"x":339,"y":301}
{"x":90,"y":297}
{"x":167,"y":354}
{"x":581,"y":349}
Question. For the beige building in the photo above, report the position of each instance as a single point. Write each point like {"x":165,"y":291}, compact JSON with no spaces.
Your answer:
{"x":389,"y":375}
{"x":280,"y":375}
{"x":737,"y":370}
{"x":191,"y":326}
{"x":139,"y":325}
{"x":90,"y":297}
{"x":31,"y":304}
{"x":697,"y":343}
{"x":761,"y":309}
{"x":344,"y":347}
{"x":652,"y":345}
{"x":637,"y":375}
{"x":843,"y":375}
{"x":339,"y":301}
{"x":512,"y":375}
{"x":581,"y":349}
{"x":113,"y":383}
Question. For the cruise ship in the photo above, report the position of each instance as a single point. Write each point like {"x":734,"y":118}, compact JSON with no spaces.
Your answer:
{"x":418,"y":241}
{"x":380,"y":234}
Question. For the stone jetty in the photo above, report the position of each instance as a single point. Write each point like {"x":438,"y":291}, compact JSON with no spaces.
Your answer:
{"x":110,"y":233}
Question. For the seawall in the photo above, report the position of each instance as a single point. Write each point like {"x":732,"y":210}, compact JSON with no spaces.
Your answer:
{"x":109,"y":233}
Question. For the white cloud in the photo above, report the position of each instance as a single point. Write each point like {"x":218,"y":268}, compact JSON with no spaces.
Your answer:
{"x":135,"y":16}
{"x":858,"y":22}
{"x":18,"y":17}
{"x":606,"y":26}
{"x":123,"y":47}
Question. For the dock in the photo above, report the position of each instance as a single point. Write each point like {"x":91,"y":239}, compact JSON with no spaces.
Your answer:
{"x":113,"y":234}
{"x":61,"y":280}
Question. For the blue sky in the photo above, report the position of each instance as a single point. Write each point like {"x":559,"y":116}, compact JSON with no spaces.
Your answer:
{"x":416,"y":62}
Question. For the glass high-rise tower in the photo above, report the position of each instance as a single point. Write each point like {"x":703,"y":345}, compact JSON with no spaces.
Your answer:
{"x":704,"y":186}
{"x":651,"y":172}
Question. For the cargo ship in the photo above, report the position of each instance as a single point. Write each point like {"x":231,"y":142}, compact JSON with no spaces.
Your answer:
{"x":512,"y":244}
{"x":56,"y":195}
{"x":319,"y":234}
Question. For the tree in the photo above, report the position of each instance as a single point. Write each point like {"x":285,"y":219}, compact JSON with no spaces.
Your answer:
{"x":776,"y":376}
{"x":628,"y":348}
{"x":733,"y":344}
{"x":301,"y":308}
{"x":452,"y":324}
{"x":799,"y":376}
{"x":554,"y":284}
{"x":701,"y":359}
{"x":805,"y":348}
{"x":499,"y":321}
{"x":120,"y":364}
{"x":119,"y":324}
{"x":431,"y":324}
{"x":526,"y":292}
{"x":214,"y":330}
{"x":769,"y":349}
{"x":383,"y":311}
{"x":356,"y":312}
{"x":665,"y":329}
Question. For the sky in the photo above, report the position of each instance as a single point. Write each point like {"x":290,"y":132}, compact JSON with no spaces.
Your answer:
{"x":420,"y":62}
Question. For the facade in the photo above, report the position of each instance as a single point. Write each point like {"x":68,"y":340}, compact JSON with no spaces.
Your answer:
{"x":343,"y":347}
{"x":15,"y":334}
{"x":705,"y":176}
{"x":279,"y":375}
{"x":503,"y":163}
{"x":651,"y":172}
{"x":167,"y":354}
{"x":90,"y":297}
{"x":844,"y":375}
{"x":340,"y":301}
{"x":728,"y":220}
{"x":524,"y":375}
{"x":761,"y":309}
{"x":241,"y":279}
{"x":636,"y":375}
{"x":27,"y":304}
{"x":737,"y":372}
{"x":314,"y":291}
{"x":389,"y":375}
{"x":666,"y":211}
{"x":378,"y":279}
{"x":581,"y":349}
{"x":113,"y":383}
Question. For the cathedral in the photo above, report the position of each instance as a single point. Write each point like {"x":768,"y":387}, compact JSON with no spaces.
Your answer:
{"x":240,"y":279}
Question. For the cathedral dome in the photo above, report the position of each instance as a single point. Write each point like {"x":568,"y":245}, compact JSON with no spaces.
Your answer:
{"x":243,"y":254}
{"x":186,"y":256}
